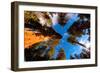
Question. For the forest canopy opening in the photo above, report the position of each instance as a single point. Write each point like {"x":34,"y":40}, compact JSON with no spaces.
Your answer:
{"x":56,"y":36}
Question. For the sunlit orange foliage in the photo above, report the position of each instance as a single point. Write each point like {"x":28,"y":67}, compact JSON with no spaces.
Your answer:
{"x":31,"y":37}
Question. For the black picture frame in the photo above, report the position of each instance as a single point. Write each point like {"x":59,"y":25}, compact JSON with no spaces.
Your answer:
{"x":15,"y":35}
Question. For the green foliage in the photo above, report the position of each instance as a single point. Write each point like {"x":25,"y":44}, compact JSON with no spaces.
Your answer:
{"x":29,"y":15}
{"x":51,"y":52}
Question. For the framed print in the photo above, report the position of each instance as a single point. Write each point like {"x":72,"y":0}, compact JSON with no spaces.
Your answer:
{"x":52,"y":36}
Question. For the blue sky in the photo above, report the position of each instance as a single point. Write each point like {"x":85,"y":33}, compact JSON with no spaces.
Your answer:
{"x":68,"y":47}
